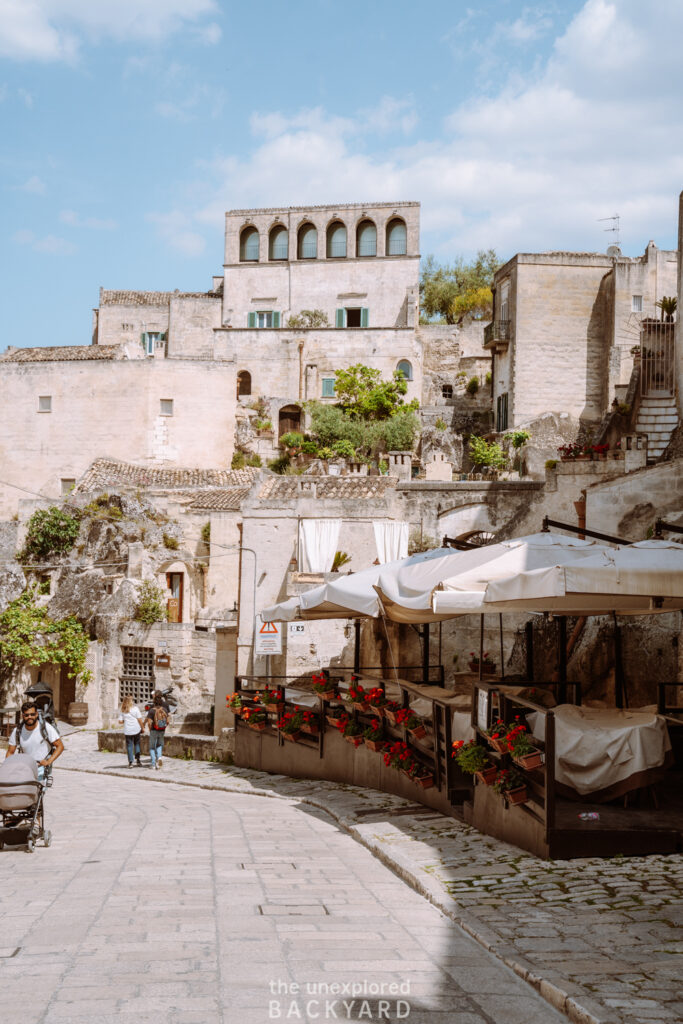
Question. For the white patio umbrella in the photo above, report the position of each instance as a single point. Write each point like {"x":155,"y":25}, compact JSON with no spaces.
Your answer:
{"x":463,"y":593}
{"x":635,"y":579}
{"x":351,"y":595}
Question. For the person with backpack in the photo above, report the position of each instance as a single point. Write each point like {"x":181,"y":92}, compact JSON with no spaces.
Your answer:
{"x":36,"y":737}
{"x":158,"y":718}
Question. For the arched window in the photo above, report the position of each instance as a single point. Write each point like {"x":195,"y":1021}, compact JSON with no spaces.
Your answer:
{"x":396,"y":238}
{"x":406,"y":369}
{"x":278,"y":248}
{"x":243,"y":383}
{"x":366,"y":239}
{"x":249,"y":246}
{"x":308,"y":242}
{"x":336,"y":241}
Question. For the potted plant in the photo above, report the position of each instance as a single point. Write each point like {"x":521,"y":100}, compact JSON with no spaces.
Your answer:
{"x":420,"y":774}
{"x":376,"y":699}
{"x":524,"y":753}
{"x":512,"y":785}
{"x":310,"y":722}
{"x":374,"y":735}
{"x":290,"y":722}
{"x":410,"y":721}
{"x":255,"y":718}
{"x":234,"y":703}
{"x":322,"y":685}
{"x":357,"y":696}
{"x":336,"y":718}
{"x":488,"y":667}
{"x":353,"y":732}
{"x":473,"y":759}
{"x":272,"y":700}
{"x":389,"y":710}
{"x":496,"y":736}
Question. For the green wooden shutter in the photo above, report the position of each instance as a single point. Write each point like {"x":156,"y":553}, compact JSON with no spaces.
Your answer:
{"x":276,"y":319}
{"x":341,"y":317}
{"x":251,"y":319}
{"x":364,"y":315}
{"x":144,"y":340}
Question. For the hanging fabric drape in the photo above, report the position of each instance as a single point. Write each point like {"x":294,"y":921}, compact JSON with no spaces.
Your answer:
{"x":318,"y":540}
{"x":391,"y":540}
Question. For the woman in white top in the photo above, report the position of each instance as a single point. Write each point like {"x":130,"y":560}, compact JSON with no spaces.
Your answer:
{"x":132,"y":727}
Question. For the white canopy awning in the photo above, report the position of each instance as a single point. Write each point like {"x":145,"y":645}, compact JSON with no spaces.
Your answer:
{"x":635,"y":579}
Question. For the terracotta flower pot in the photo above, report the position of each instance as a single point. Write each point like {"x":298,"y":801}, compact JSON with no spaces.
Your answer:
{"x":487,"y":775}
{"x":328,"y":695}
{"x":355,"y":740}
{"x":311,"y":729}
{"x":529,"y":761}
{"x":516,"y":796}
{"x":359,"y":706}
{"x":375,"y":745}
{"x":390,"y":716}
{"x":499,"y":745}
{"x":292,"y":737}
{"x":334,"y":722}
{"x":418,"y":733}
{"x":488,"y":668}
{"x":257,"y":726}
{"x":424,"y":781}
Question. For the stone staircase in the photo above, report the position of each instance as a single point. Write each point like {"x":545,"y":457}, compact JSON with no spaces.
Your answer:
{"x":658,"y":418}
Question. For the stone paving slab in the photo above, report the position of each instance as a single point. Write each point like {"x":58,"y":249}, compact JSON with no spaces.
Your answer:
{"x":599,"y":939}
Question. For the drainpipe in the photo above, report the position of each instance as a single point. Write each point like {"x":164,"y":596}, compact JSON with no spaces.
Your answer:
{"x":300,"y":345}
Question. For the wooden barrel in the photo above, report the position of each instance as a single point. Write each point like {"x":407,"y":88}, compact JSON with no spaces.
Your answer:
{"x":77,"y":713}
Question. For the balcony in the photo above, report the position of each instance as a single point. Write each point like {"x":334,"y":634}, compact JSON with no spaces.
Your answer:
{"x":497,"y":335}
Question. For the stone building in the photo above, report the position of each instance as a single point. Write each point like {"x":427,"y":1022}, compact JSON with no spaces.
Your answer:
{"x":565,"y":329}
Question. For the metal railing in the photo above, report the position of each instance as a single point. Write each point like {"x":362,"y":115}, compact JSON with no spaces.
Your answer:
{"x":497,"y":331}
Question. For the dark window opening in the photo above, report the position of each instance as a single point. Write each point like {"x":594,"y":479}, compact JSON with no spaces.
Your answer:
{"x":446,"y":390}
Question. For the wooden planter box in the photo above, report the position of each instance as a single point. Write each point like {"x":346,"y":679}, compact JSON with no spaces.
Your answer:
{"x":327,"y":694}
{"x":418,"y":733}
{"x":291,"y":737}
{"x":257,"y":726}
{"x":516,"y":796}
{"x":376,"y":745}
{"x":390,"y":716}
{"x":358,"y":706}
{"x":424,"y":781}
{"x":312,"y":730}
{"x":488,"y":668}
{"x":355,"y":740}
{"x":334,"y":722}
{"x":499,"y":745}
{"x":487,"y":775}
{"x":529,"y":761}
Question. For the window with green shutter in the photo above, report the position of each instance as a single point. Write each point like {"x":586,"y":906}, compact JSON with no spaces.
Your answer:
{"x":276,"y":319}
{"x":328,"y":387}
{"x":364,"y":316}
{"x":251,"y":319}
{"x":340,"y":318}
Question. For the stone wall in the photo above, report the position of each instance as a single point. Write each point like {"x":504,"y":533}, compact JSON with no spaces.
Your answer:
{"x":628,"y":506}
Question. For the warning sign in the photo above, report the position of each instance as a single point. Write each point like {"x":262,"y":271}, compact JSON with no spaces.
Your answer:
{"x":267,"y":637}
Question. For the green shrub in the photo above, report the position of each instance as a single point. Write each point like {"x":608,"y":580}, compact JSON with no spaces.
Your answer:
{"x":484,"y":453}
{"x":292,"y":439}
{"x":487,"y":378}
{"x":29,"y":636}
{"x":279,"y":465}
{"x":238,"y":460}
{"x":550,"y":463}
{"x":170,"y":542}
{"x":309,"y":448}
{"x":254,"y":460}
{"x":206,"y":533}
{"x":344,"y":448}
{"x":518,"y":438}
{"x":326,"y":452}
{"x":440,"y":424}
{"x":50,"y":532}
{"x":151,"y":606}
{"x":263,"y":425}
{"x":472,"y":386}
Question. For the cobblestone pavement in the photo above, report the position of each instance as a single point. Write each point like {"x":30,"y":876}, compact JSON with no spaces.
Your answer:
{"x":600,"y":939}
{"x":162,"y":903}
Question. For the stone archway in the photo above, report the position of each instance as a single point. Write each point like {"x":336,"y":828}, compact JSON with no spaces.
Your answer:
{"x":467,"y":519}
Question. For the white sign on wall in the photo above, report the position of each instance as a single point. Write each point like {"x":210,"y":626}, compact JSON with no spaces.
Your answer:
{"x":296,"y":630}
{"x":267,"y":637}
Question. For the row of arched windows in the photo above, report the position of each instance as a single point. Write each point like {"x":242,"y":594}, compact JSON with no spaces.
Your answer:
{"x":336,"y":241}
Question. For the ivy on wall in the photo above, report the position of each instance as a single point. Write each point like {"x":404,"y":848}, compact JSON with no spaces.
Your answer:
{"x":29,"y":636}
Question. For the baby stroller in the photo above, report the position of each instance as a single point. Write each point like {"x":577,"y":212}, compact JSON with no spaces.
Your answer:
{"x":21,"y":802}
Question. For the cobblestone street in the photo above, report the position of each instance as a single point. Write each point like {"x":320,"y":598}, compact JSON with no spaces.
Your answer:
{"x":597,"y":939}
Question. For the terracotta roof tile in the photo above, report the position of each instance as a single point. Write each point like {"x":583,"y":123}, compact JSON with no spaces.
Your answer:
{"x":227,"y":500}
{"x":57,"y":353}
{"x":113,"y":473}
{"x":290,"y":487}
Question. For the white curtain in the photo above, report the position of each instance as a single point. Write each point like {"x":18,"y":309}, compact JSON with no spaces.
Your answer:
{"x":391,"y":540}
{"x":318,"y":544}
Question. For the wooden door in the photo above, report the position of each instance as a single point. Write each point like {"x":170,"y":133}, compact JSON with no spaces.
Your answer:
{"x":67,"y":692}
{"x":174,"y":582}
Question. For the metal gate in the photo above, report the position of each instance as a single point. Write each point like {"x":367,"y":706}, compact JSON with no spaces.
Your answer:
{"x":656,"y":357}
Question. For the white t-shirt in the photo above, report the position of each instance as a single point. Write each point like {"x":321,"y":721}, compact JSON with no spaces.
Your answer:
{"x":131,"y":726}
{"x":32,"y":742}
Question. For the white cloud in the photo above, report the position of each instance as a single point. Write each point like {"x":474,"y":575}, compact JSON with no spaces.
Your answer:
{"x":175,"y":229}
{"x":75,"y":220}
{"x":26,"y":96}
{"x":55,"y":29}
{"x":33,"y":185}
{"x":533,"y":166}
{"x":49,"y":244}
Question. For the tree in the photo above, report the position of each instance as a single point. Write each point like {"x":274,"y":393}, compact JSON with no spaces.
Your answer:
{"x":668,"y":305}
{"x":451,"y":293}
{"x":309,"y":318}
{"x":362,"y":393}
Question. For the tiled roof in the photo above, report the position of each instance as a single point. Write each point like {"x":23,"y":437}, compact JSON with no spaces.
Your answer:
{"x":220,"y":501}
{"x":128,"y":298}
{"x":113,"y":473}
{"x":279,"y":488}
{"x":57,"y":353}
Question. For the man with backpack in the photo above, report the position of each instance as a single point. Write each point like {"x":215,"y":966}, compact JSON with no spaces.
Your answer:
{"x":36,"y":737}
{"x":158,"y":719}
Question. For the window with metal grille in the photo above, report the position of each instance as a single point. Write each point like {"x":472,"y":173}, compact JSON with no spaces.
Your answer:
{"x":249,"y":246}
{"x":396,"y":238}
{"x":366,"y":239}
{"x":308,"y":242}
{"x":446,"y":390}
{"x":137,"y":678}
{"x":502,"y":412}
{"x":336,"y":241}
{"x":279,"y":244}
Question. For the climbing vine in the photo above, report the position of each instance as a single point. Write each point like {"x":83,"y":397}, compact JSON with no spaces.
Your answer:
{"x":29,"y":636}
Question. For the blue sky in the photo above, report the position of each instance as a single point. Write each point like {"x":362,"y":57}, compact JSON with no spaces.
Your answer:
{"x":130,"y":126}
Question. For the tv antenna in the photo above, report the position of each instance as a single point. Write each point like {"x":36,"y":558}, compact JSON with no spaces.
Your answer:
{"x":615,"y":227}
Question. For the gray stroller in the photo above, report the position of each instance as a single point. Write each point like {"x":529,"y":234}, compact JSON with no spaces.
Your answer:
{"x":21,"y":802}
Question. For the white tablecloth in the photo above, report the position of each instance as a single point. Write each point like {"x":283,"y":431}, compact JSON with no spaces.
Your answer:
{"x":597,"y":747}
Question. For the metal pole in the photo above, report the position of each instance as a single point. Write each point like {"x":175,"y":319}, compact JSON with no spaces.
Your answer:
{"x":502,"y":657}
{"x":356,"y":646}
{"x":619,"y":690}
{"x":562,"y":659}
{"x":481,"y":647}
{"x":425,"y":653}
